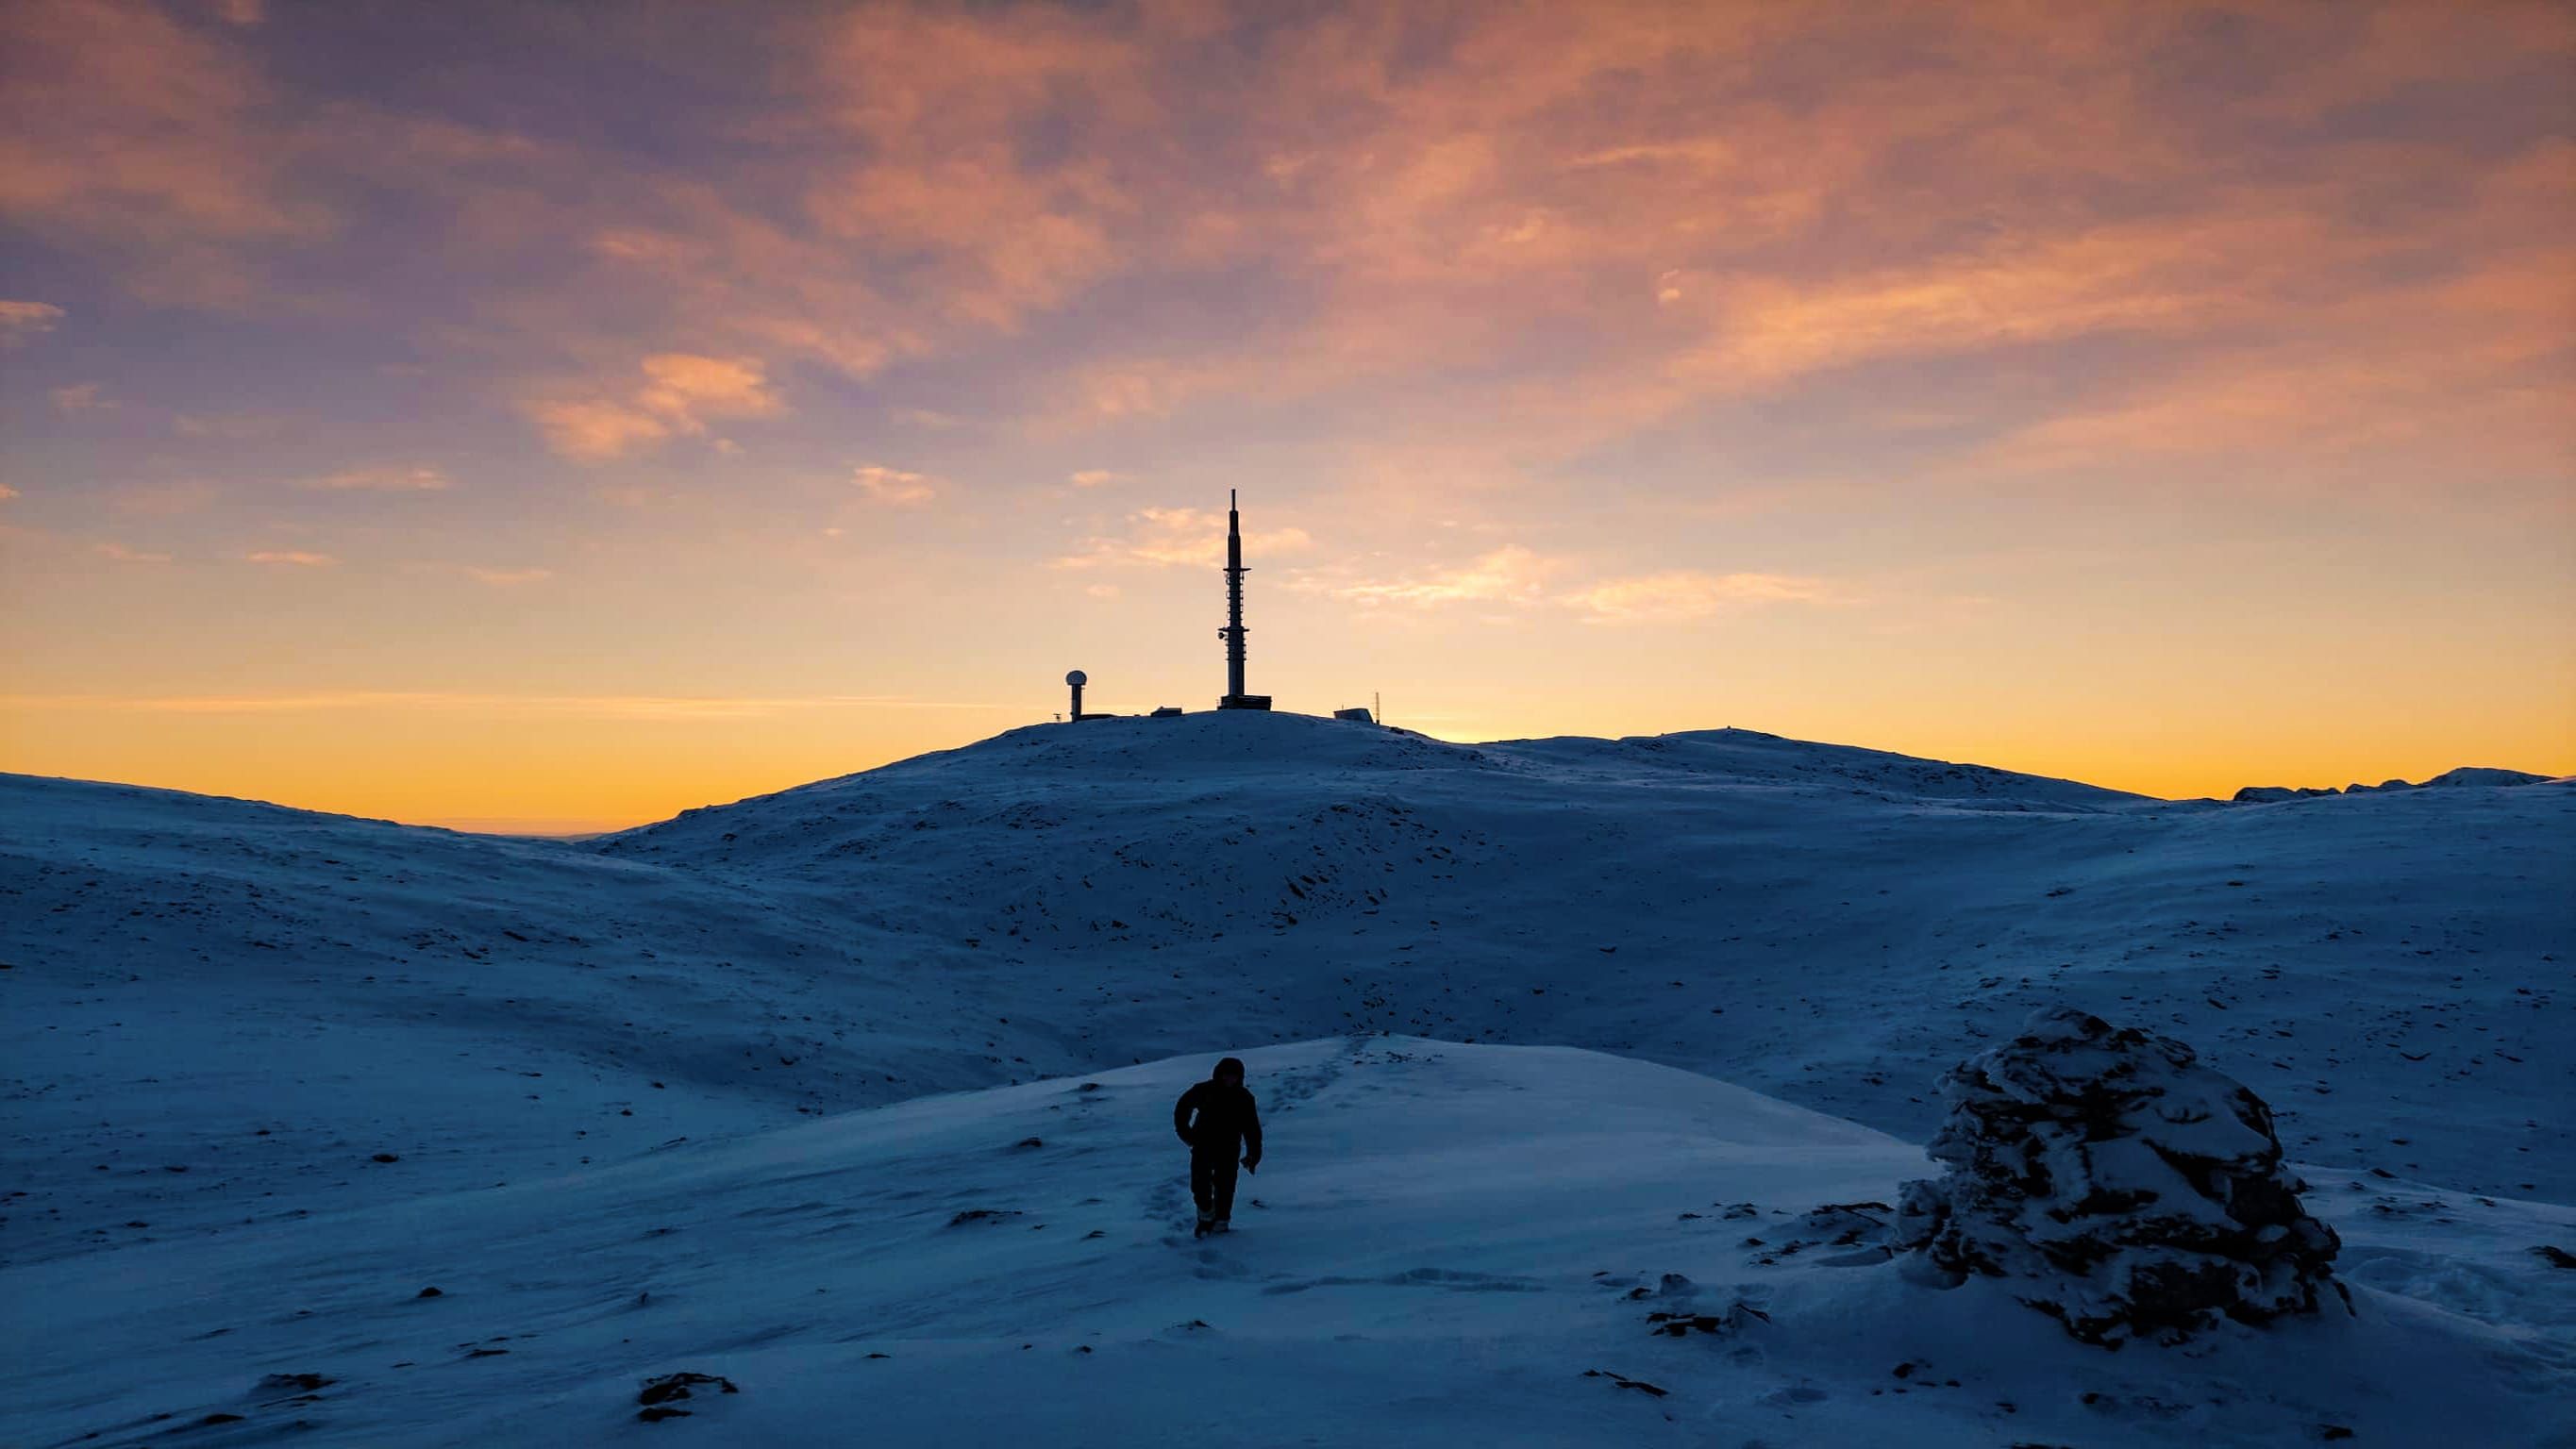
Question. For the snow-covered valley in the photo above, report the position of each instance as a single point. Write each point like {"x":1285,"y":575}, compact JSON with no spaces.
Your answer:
{"x":712,"y":1096}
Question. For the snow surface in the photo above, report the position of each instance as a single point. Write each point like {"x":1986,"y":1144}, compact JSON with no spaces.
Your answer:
{"x":1445,"y":1239}
{"x":220,"y":1014}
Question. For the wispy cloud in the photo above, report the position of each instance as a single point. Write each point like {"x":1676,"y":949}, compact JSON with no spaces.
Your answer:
{"x":22,"y":320}
{"x":1520,"y":576}
{"x":594,"y":432}
{"x":1508,"y":575}
{"x":237,"y":427}
{"x":165,"y":500}
{"x":894,"y":487}
{"x":121,"y":554}
{"x":1163,"y":537}
{"x":153,"y":145}
{"x":508,"y":578}
{"x":682,"y":393}
{"x":296,"y":558}
{"x":595,"y":706}
{"x":83,"y":397}
{"x":1094,"y":478}
{"x":381,"y":480}
{"x":7,"y":492}
{"x":1684,"y":595}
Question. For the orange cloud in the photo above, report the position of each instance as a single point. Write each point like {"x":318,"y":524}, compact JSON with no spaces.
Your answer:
{"x":895,"y":487}
{"x":609,"y":706}
{"x":2152,"y":278}
{"x":1685,"y":595}
{"x":295,"y":557}
{"x":1508,"y":575}
{"x":125,"y":132}
{"x":1163,"y":537}
{"x":593,"y":432}
{"x":682,"y":393}
{"x":508,"y":578}
{"x":688,"y":389}
{"x":22,"y":320}
{"x":939,"y":103}
{"x":381,"y":480}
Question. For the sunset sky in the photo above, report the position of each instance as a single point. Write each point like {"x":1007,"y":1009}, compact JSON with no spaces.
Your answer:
{"x":552,"y":416}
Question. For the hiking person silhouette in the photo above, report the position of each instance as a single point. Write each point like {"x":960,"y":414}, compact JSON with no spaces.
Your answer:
{"x":1225,"y":1122}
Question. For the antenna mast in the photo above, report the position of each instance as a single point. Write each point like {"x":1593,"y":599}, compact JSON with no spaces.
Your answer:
{"x":1232,"y":633}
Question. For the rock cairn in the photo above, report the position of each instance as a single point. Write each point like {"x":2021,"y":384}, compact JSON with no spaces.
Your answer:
{"x":2117,"y":1185}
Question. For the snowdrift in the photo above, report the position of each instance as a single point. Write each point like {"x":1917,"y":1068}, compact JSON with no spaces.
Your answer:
{"x":1447,"y":1244}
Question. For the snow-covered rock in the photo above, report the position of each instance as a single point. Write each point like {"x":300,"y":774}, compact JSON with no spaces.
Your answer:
{"x":2121,"y":1186}
{"x":2466,"y":775}
{"x":2266,"y":794}
{"x":2482,"y":775}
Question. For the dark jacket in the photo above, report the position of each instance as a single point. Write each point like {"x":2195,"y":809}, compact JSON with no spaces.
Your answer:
{"x":1226,"y":1119}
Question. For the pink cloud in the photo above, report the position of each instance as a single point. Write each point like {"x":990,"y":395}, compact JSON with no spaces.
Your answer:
{"x":508,"y":578}
{"x":895,"y":487}
{"x":381,"y":480}
{"x":1547,"y":226}
{"x":146,"y":140}
{"x":1685,"y":595}
{"x":165,"y":500}
{"x":1163,"y":537}
{"x":1509,"y":575}
{"x":22,"y":320}
{"x":681,"y":394}
{"x":85,"y":397}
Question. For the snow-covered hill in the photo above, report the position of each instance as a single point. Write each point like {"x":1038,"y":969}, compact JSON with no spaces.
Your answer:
{"x":1450,"y":1244}
{"x":234,"y":1034}
{"x":1824,"y":923}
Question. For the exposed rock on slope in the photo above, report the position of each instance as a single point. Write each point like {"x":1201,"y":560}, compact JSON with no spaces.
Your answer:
{"x":2465,"y":775}
{"x":2125,"y":1189}
{"x":2480,"y":775}
{"x":2266,"y":794}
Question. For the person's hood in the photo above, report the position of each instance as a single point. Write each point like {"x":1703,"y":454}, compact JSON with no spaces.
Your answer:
{"x":1230,"y":1064}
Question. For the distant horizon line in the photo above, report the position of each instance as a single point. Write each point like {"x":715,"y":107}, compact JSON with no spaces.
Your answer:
{"x":579,"y":827}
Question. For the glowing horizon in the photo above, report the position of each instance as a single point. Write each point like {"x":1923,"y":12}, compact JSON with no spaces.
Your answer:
{"x":569,"y":416}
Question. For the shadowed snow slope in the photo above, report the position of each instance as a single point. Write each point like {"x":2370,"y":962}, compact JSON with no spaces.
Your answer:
{"x":210,"y":998}
{"x":1832,"y":925}
{"x":231,"y":1032}
{"x":1444,"y":1240}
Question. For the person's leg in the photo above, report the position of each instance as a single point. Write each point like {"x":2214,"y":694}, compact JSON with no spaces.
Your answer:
{"x":1202,"y":1184}
{"x":1224,"y":1169}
